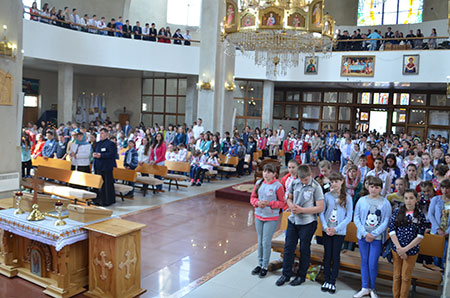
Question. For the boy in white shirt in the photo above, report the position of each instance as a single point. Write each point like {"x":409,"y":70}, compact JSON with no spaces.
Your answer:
{"x":382,"y":174}
{"x":182,"y":153}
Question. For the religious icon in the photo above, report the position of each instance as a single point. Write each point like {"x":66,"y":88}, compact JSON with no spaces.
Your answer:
{"x":317,"y":14}
{"x":411,"y":64}
{"x":364,"y":116}
{"x":296,"y":20}
{"x":358,"y":66}
{"x":248,"y":21}
{"x":270,"y":20}
{"x":311,"y":65}
{"x":36,"y":264}
{"x":230,"y":16}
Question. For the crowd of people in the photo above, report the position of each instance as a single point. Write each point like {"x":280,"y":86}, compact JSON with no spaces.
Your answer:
{"x":370,"y":41}
{"x":399,"y":183}
{"x":70,"y":19}
{"x":386,"y":184}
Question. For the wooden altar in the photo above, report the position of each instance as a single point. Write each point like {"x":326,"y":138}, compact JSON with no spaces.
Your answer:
{"x":64,"y":260}
{"x":62,"y":273}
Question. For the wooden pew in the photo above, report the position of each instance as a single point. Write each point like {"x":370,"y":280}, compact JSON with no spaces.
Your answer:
{"x":228,"y":164}
{"x":180,"y":167}
{"x":151,"y":170}
{"x":51,"y":163}
{"x":68,"y":177}
{"x":431,"y":245}
{"x":125,"y":175}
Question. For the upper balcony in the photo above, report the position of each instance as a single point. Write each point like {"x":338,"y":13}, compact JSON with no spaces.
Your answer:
{"x":57,"y":44}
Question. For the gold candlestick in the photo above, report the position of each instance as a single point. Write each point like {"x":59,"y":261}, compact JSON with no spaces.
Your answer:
{"x":18,"y":200}
{"x":35,"y":215}
{"x":59,"y":208}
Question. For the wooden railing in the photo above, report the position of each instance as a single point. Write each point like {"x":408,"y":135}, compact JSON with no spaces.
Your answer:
{"x":71,"y":25}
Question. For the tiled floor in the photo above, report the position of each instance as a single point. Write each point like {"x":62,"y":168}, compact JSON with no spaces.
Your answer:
{"x":237,"y":282}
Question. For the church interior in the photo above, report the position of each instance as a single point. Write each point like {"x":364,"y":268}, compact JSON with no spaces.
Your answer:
{"x":141,"y":139}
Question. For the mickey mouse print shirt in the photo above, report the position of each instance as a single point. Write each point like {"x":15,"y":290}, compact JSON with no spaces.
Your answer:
{"x":373,"y":218}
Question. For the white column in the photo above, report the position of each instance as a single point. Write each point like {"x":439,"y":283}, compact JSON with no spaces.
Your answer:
{"x":214,"y":107}
{"x":191,"y":100}
{"x":65,"y":92}
{"x":267,"y":108}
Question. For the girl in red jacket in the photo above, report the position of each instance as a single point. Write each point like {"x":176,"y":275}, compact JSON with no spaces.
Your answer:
{"x":158,"y":154}
{"x":288,"y":145}
{"x":268,"y":199}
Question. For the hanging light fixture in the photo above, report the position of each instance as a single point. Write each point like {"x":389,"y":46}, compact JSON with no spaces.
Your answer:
{"x":275,"y":32}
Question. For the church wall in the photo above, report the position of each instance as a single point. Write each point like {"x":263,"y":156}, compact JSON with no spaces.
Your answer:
{"x":89,"y":49}
{"x":11,"y":15}
{"x":119,"y":93}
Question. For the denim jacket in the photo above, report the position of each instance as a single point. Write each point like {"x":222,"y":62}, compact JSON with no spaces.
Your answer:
{"x":435,"y":213}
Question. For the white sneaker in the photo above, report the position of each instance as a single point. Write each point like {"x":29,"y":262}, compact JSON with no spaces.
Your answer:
{"x":362,"y":293}
{"x":373,"y":294}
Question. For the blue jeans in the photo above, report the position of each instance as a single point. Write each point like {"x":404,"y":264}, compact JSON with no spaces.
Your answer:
{"x":343,"y":163}
{"x":330,"y":154}
{"x":193,"y":172}
{"x":265,"y":231}
{"x":370,"y":252}
{"x":293,"y":234}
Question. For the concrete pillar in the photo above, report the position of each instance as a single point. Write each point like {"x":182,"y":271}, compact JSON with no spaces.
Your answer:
{"x":214,"y":106}
{"x":65,"y":92}
{"x":191,"y":100}
{"x":12,"y":110}
{"x":267,"y":108}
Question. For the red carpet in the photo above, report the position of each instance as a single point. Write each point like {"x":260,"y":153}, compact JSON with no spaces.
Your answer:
{"x":233,"y":194}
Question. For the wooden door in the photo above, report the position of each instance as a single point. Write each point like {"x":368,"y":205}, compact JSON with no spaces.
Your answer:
{"x":123,"y":118}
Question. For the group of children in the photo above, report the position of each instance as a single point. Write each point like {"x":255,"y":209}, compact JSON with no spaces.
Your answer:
{"x":337,"y":200}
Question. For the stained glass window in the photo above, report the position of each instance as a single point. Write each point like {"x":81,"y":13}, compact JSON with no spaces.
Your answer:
{"x":389,"y":12}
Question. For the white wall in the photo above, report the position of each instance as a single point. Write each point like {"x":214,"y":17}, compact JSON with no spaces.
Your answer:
{"x":119,"y":93}
{"x":434,"y":67}
{"x":49,"y":42}
{"x":10,"y":115}
{"x":102,"y":8}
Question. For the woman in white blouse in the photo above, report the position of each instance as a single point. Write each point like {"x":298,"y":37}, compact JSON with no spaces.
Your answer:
{"x":80,"y":154}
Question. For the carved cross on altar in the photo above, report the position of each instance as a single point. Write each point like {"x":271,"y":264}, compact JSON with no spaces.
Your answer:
{"x":127,"y":264}
{"x":103,"y":264}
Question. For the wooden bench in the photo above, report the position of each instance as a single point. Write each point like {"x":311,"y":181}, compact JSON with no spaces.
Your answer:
{"x":180,"y":167}
{"x":259,"y":169}
{"x":70,"y":178}
{"x":228,"y":164}
{"x":431,"y":245}
{"x":124,"y":175}
{"x":52,"y":163}
{"x":151,"y":170}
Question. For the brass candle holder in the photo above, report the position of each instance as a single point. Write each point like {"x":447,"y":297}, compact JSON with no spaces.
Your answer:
{"x":59,"y":208}
{"x":19,"y":210}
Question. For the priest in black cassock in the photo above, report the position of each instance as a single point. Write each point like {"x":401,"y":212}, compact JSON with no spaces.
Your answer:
{"x":104,"y":161}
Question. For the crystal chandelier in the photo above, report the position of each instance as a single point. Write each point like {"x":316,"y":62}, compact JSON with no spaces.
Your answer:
{"x":275,"y":32}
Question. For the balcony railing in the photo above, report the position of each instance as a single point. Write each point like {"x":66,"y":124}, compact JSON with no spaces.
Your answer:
{"x":101,"y":31}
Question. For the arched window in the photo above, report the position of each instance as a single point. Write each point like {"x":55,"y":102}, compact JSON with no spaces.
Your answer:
{"x":184,"y":12}
{"x":389,"y":12}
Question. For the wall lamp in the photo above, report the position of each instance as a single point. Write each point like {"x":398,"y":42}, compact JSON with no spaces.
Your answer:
{"x":230,"y":86}
{"x":205,"y":84}
{"x":7,"y":49}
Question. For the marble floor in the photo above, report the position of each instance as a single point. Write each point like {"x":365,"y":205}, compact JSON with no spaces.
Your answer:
{"x":237,"y":282}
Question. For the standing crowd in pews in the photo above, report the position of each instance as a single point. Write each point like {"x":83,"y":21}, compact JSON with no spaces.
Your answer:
{"x":389,"y":186}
